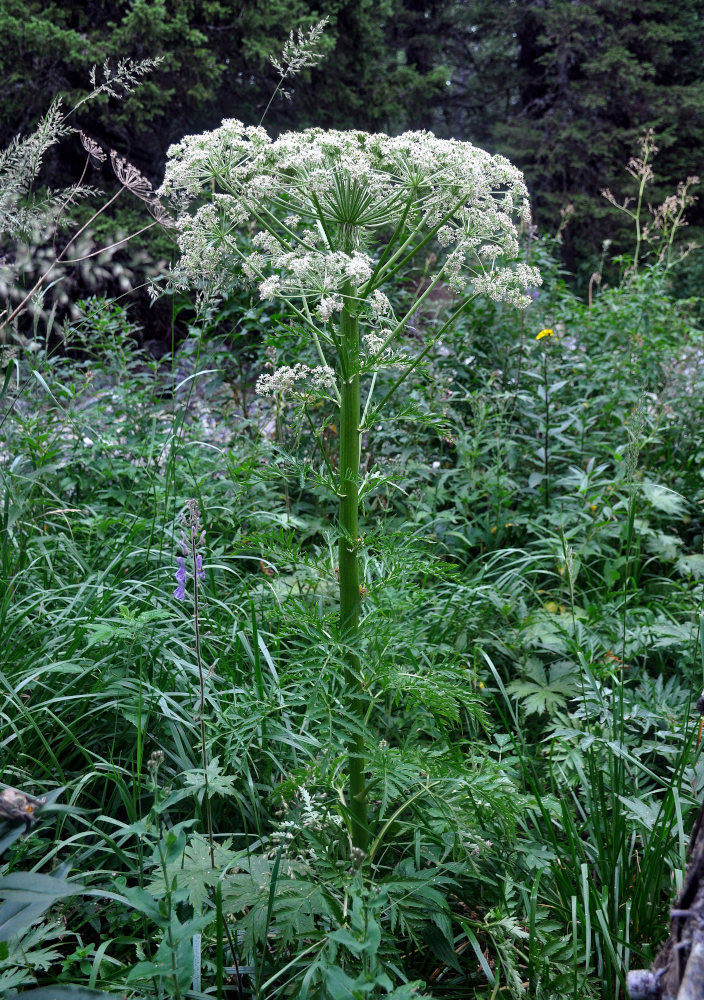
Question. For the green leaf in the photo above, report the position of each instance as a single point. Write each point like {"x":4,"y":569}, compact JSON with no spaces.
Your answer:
{"x":645,"y":812}
{"x":441,"y":947}
{"x":32,"y":887}
{"x":665,"y":546}
{"x":143,"y":971}
{"x":194,"y":871}
{"x":344,"y":937}
{"x":143,"y":902}
{"x":27,"y":896}
{"x":62,"y":993}
{"x":218,"y":782}
{"x":339,"y":984}
{"x":540,"y":694}
{"x":481,"y":958}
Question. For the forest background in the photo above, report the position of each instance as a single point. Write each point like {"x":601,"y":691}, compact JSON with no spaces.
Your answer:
{"x":563,"y":89}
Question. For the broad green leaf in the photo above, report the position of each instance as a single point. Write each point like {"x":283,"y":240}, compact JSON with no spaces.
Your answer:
{"x":339,"y":983}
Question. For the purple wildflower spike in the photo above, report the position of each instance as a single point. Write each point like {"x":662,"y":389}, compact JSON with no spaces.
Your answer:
{"x":192,"y":538}
{"x":180,"y":592}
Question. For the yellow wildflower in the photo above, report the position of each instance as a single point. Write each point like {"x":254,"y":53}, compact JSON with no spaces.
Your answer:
{"x":545,"y":333}
{"x":554,"y":608}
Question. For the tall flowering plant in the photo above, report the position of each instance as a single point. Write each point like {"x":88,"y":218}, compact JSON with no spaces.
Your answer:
{"x":337,"y":218}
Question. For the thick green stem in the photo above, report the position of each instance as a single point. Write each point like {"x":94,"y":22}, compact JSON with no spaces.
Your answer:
{"x":349,"y":564}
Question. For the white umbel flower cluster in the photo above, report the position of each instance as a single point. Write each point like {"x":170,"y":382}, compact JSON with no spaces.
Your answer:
{"x":284,"y":380}
{"x":317,"y":198}
{"x":335,"y":217}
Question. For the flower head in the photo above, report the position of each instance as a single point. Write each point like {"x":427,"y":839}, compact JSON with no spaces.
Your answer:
{"x":284,"y":380}
{"x":546,"y":333}
{"x":319,"y":200}
{"x":192,"y":538}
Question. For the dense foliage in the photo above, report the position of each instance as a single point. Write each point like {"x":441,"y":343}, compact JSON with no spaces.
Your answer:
{"x":530,"y":644}
{"x":192,"y":804}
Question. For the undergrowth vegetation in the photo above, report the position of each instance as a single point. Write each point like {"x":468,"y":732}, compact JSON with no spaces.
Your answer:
{"x":174,"y":687}
{"x":530,"y":644}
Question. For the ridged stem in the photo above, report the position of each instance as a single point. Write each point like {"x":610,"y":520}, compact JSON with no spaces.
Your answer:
{"x":349,"y":565}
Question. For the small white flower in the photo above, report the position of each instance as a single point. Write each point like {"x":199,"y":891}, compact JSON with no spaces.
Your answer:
{"x":374,"y":342}
{"x":270,"y":287}
{"x":284,"y":379}
{"x":329,"y":305}
{"x":359,"y":268}
{"x":379,"y":303}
